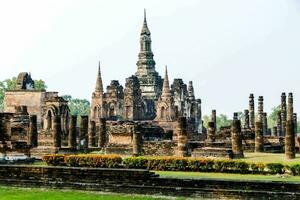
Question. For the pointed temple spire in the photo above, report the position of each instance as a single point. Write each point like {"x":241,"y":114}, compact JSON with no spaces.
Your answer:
{"x":191,"y":91}
{"x":99,"y":85}
{"x":166,"y":88}
{"x":145,"y":29}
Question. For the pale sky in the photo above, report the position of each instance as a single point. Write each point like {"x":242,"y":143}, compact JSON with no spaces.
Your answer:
{"x":229,"y":48}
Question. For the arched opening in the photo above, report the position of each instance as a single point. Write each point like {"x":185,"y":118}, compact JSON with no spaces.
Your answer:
{"x":127,"y":112}
{"x":95,"y":112}
{"x":111,"y":111}
{"x":49,"y":120}
{"x":163,"y":113}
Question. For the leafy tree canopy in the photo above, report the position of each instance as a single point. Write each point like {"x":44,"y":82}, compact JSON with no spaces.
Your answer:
{"x":78,"y":106}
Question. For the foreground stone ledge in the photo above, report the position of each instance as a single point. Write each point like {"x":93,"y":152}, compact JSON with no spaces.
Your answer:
{"x":142,"y":182}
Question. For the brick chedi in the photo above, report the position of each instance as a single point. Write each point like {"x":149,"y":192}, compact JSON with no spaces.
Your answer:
{"x":290,"y":151}
{"x":165,"y":104}
{"x":144,"y":98}
{"x":98,"y":109}
{"x":150,"y":81}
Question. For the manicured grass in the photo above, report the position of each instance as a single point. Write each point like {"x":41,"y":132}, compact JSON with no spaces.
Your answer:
{"x":270,"y":158}
{"x":210,"y":175}
{"x":12,"y":193}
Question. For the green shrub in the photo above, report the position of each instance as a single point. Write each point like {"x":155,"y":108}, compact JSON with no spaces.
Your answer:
{"x":170,"y":164}
{"x":54,"y":159}
{"x":202,"y":165}
{"x":241,"y":167}
{"x":105,"y":161}
{"x":275,"y":168}
{"x":257,"y":168}
{"x":135,"y":162}
{"x":295,"y":169}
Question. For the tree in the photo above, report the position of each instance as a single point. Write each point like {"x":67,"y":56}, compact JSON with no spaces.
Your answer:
{"x":272,"y":117}
{"x":40,"y":85}
{"x":222,"y":120}
{"x":78,"y":106}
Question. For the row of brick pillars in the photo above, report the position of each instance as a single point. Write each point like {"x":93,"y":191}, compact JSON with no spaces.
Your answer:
{"x":87,"y":133}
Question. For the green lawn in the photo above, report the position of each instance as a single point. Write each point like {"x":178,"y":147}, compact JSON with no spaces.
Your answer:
{"x":210,"y":175}
{"x":270,"y":157}
{"x":12,"y":193}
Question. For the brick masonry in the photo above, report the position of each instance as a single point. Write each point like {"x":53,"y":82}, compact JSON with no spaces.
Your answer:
{"x":142,"y":182}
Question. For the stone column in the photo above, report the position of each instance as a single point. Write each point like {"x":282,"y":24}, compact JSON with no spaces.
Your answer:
{"x":260,"y":109}
{"x":72,"y":143}
{"x":265,"y":124}
{"x":290,"y":151}
{"x":236,"y":139}
{"x":278,"y":123}
{"x":83,"y":136}
{"x":137,"y":140}
{"x":283,"y":113}
{"x":211,"y":132}
{"x":214,"y":118}
{"x":246,"y":119}
{"x":295,"y":123}
{"x":92,"y":134}
{"x":181,"y":131}
{"x":259,"y":138}
{"x":32,"y":132}
{"x":274,"y":131}
{"x":251,"y":111}
{"x":57,"y":131}
{"x":102,"y":133}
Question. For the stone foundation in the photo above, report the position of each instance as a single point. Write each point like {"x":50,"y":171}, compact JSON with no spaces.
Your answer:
{"x":134,"y":181}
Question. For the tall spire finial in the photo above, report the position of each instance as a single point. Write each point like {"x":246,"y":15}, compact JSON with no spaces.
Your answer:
{"x":166,"y":87}
{"x":145,"y":19}
{"x":191,"y":93}
{"x":145,"y":29}
{"x":99,"y":71}
{"x":99,"y":85}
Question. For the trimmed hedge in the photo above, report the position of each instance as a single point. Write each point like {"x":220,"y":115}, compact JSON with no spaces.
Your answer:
{"x":82,"y":160}
{"x":54,"y":159}
{"x":208,"y":165}
{"x":171,"y":164}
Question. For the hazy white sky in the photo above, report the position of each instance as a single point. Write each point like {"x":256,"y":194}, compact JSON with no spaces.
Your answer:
{"x":229,"y":48}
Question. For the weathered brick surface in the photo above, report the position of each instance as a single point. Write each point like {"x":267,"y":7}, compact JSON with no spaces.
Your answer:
{"x":143,"y":182}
